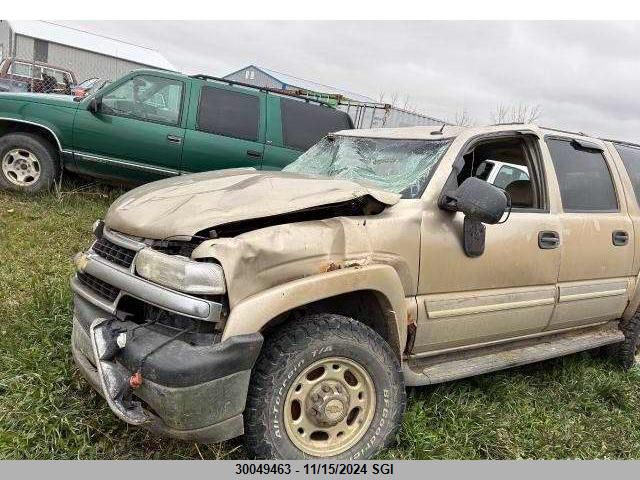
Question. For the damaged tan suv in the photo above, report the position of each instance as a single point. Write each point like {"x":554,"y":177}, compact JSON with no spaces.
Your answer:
{"x":295,"y":306}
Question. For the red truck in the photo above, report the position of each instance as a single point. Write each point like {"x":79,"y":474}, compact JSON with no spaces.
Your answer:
{"x":27,"y":76}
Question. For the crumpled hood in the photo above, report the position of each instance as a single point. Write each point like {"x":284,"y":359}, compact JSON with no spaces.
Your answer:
{"x":185,"y":205}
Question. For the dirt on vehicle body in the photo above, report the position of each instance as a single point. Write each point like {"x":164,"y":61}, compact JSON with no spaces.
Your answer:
{"x":295,"y":306}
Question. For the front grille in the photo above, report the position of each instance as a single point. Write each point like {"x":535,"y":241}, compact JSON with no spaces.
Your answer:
{"x":96,"y":285}
{"x":114,"y":253}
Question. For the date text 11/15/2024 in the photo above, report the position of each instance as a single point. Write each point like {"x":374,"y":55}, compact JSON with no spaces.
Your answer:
{"x":259,"y":468}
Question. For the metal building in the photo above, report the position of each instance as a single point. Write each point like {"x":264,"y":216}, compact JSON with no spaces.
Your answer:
{"x":85,"y":54}
{"x":364,"y":111}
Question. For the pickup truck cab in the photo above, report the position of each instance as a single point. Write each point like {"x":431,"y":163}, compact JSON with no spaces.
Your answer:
{"x":502,"y":174}
{"x":18,"y":75}
{"x":295,"y":306}
{"x":150,"y":125}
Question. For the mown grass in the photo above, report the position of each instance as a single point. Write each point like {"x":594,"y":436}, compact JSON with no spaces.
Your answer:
{"x":575,"y":407}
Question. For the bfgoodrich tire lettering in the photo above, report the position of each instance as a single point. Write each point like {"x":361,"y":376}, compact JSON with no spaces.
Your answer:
{"x":292,"y":348}
{"x":34,"y":147}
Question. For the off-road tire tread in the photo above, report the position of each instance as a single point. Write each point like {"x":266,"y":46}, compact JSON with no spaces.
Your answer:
{"x":50,"y":163}
{"x":624,"y":352}
{"x":285,"y":341}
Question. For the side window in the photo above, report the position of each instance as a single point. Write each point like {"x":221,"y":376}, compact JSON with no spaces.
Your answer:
{"x":584,"y":178}
{"x":507,"y":175}
{"x":146,"y":97}
{"x":304,"y":124}
{"x":36,"y":71}
{"x":229,"y":113}
{"x":510,"y":163}
{"x":60,"y":76}
{"x":21,"y":69}
{"x":631,"y":159}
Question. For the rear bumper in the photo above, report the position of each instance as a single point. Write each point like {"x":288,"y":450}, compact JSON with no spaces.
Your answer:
{"x":188,"y":392}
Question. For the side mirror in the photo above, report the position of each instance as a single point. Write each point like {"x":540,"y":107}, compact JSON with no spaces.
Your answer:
{"x":94,"y":105}
{"x":480,"y":202}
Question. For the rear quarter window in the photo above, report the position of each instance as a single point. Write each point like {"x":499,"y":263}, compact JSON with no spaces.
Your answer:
{"x":304,"y":124}
{"x":228,"y":113}
{"x":631,"y":159}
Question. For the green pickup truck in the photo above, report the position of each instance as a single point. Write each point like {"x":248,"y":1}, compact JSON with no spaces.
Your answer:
{"x":150,"y":125}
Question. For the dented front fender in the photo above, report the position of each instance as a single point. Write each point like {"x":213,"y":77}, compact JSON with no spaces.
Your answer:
{"x":253,"y":313}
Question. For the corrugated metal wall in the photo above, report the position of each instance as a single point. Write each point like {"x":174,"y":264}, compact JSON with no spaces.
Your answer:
{"x":379,"y":116}
{"x":82,"y":63}
{"x":88,"y":64}
{"x":254,"y":77}
{"x":4,"y":39}
{"x":24,"y":47}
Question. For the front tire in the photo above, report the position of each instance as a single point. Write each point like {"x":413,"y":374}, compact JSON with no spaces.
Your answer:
{"x":28,"y":163}
{"x":324,"y":386}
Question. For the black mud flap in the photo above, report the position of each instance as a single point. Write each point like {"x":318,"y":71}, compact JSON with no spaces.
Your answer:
{"x":114,"y":378}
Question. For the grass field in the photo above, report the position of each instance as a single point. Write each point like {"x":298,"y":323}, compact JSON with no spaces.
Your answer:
{"x":575,"y":407}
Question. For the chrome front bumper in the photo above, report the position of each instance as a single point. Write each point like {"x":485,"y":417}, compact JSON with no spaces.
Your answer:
{"x":188,"y":392}
{"x":129,"y":284}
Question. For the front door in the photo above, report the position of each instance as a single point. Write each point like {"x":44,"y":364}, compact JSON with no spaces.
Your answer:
{"x":509,"y":291}
{"x":597,"y":236}
{"x":137,"y":133}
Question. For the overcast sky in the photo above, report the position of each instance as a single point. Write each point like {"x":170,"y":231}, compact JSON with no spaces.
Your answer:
{"x":584,"y":75}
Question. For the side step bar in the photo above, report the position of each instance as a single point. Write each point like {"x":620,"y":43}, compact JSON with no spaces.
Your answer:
{"x":453,"y":366}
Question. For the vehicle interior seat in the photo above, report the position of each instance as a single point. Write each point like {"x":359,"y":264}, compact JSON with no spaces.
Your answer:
{"x":521,"y":194}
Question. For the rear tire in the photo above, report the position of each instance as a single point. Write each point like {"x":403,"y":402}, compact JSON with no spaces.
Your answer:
{"x":28,"y":163}
{"x":324,"y":386}
{"x":624,"y":352}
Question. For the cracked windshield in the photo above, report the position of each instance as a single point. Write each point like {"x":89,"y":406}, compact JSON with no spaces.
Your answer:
{"x":397,"y":165}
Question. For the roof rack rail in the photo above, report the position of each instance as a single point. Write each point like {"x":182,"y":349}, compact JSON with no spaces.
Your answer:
{"x":277,"y":91}
{"x":500,"y":124}
{"x":621,"y":142}
{"x":565,"y":131}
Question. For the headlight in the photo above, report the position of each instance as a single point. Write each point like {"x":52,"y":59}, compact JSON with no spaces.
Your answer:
{"x":180,"y":273}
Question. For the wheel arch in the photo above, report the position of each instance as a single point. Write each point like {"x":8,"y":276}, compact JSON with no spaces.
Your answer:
{"x":13,"y":125}
{"x":372,"y":295}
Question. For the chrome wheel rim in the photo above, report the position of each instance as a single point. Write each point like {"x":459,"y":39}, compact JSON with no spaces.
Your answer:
{"x":329,"y":407}
{"x":21,"y":167}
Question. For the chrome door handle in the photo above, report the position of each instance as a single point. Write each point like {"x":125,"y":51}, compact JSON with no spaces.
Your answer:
{"x":620,"y":238}
{"x":174,"y":139}
{"x":548,"y":239}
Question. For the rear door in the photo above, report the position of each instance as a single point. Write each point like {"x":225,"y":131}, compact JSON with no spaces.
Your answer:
{"x":294,"y":125}
{"x":597,"y":235}
{"x":137,"y":133}
{"x":226,"y":128}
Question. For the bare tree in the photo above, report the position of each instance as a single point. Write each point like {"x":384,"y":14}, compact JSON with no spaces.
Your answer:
{"x":463,"y":119}
{"x":520,"y":113}
{"x":524,"y":113}
{"x":381,"y":97}
{"x":394,"y":99}
{"x":501,"y":113}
